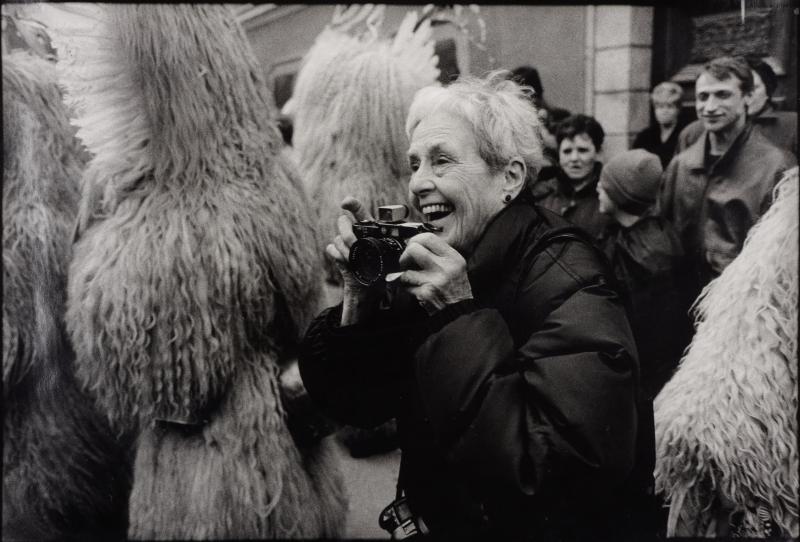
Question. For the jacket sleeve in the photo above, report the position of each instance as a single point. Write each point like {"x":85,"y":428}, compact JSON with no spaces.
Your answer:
{"x":358,"y":374}
{"x":348,"y":370}
{"x":554,"y":414}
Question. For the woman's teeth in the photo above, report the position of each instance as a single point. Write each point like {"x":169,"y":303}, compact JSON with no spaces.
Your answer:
{"x":436,"y":211}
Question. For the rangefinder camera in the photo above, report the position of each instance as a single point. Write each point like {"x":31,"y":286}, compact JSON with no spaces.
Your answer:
{"x":379,"y":243}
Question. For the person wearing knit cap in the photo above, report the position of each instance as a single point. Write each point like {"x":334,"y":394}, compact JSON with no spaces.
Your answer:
{"x":646,"y":256}
{"x":630,"y":180}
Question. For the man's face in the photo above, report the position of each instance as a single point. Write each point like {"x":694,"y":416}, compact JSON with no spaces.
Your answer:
{"x":719,"y":102}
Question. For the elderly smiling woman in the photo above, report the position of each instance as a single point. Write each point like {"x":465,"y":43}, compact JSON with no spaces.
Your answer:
{"x":500,"y":348}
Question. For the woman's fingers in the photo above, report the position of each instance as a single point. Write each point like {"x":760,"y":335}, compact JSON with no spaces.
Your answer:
{"x":341,"y":247}
{"x":417,"y":255}
{"x":356,"y":207}
{"x":335,"y":253}
{"x":433,"y":243}
{"x":345,"y":226}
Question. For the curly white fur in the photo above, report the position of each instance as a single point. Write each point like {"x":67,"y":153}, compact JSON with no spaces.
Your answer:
{"x":349,"y":106}
{"x":726,"y":424}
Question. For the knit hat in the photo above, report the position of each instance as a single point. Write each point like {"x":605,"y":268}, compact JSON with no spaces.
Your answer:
{"x":631,"y":179}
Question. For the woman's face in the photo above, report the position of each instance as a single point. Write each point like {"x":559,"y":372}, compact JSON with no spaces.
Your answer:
{"x":666,"y":113}
{"x":758,"y":98}
{"x":451,"y":185}
{"x":577,"y":156}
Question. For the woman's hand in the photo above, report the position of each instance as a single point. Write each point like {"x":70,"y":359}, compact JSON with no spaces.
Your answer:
{"x":358,"y":300}
{"x":436,"y":274}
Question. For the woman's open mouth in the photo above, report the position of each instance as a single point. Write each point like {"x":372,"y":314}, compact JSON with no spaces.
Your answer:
{"x":436,"y":211}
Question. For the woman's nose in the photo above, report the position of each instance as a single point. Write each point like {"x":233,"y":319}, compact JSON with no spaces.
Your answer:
{"x":420,"y":182}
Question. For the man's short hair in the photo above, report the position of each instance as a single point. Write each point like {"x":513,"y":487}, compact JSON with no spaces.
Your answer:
{"x":725,"y":67}
{"x":581,"y":124}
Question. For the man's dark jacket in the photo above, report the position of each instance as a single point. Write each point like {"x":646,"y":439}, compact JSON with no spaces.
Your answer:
{"x":713,"y":203}
{"x":517,"y":411}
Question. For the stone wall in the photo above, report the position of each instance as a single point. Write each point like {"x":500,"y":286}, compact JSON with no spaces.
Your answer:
{"x":618,"y":93}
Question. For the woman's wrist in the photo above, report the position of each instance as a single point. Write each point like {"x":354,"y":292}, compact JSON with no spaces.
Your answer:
{"x":358,"y":304}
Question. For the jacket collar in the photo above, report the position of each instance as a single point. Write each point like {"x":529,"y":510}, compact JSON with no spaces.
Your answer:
{"x":566,"y":185}
{"x":696,"y":152}
{"x":501,"y":241}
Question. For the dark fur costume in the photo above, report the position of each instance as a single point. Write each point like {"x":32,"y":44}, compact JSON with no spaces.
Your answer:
{"x":64,"y":473}
{"x":195,"y":268}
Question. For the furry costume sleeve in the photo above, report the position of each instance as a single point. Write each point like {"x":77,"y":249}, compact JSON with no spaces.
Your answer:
{"x":349,"y":106}
{"x":196,"y":245}
{"x":726,"y":424}
{"x":64,"y":473}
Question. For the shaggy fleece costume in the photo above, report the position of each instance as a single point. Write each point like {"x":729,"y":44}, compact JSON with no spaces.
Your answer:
{"x":726,"y":424}
{"x":63,"y":471}
{"x":195,"y":267}
{"x":349,"y":108}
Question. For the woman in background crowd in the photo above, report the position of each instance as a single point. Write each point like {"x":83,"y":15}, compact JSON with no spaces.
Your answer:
{"x":572,"y":190}
{"x":661,"y":137}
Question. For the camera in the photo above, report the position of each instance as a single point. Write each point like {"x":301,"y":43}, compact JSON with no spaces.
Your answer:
{"x":398,"y":520}
{"x":379,"y":243}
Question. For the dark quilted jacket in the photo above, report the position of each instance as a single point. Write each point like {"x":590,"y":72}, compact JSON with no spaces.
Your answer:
{"x":518,"y":410}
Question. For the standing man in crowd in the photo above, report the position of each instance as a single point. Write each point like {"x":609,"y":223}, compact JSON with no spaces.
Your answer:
{"x":716,"y":189}
{"x":779,"y":127}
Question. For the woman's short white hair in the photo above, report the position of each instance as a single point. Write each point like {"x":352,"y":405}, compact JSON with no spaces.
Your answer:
{"x":503,"y":118}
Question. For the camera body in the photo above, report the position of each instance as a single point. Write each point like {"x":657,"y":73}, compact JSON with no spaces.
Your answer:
{"x":379,"y":243}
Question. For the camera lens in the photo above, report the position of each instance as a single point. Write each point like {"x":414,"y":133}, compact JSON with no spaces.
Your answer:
{"x":372,"y":258}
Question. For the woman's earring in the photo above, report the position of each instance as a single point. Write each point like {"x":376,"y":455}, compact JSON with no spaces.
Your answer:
{"x":507,"y":198}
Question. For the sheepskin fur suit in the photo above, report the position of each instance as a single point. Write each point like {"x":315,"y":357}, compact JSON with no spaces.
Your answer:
{"x":195,"y":268}
{"x":349,"y":108}
{"x":64,"y":473}
{"x":726,"y":424}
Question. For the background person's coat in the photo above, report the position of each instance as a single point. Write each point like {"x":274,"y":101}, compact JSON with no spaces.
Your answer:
{"x":194,"y":271}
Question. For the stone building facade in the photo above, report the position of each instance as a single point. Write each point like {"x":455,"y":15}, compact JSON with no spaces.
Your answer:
{"x":600,"y":60}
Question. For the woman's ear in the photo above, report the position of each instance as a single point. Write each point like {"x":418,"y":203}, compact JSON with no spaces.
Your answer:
{"x":514,"y":178}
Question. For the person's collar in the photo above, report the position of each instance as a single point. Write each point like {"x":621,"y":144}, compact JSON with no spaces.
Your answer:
{"x":487,"y":262}
{"x":589,"y":185}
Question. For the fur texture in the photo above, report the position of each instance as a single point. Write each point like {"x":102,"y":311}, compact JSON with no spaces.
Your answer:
{"x":195,"y":267}
{"x":64,"y":473}
{"x":349,"y":107}
{"x":726,"y":424}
